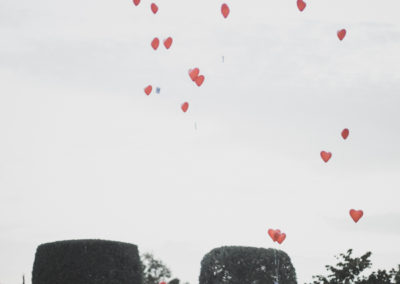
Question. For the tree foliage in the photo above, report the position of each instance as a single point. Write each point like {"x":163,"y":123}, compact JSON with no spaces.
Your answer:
{"x":349,"y":270}
{"x":239,"y":265}
{"x":87,"y":262}
{"x":154,"y":270}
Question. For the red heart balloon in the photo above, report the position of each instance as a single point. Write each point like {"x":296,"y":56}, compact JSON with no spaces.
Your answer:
{"x":194,"y":73}
{"x":148,"y":89}
{"x":345,"y":133}
{"x":356,"y":214}
{"x":281,"y":238}
{"x":341,"y":34}
{"x":326,"y":156}
{"x":154,"y":8}
{"x":185,"y":106}
{"x":168,"y":42}
{"x":136,"y":2}
{"x":199,"y":80}
{"x":301,"y":5}
{"x":277,"y":234}
{"x":271,"y":233}
{"x":274,"y":234}
{"x":225,"y":10}
{"x":155,"y":43}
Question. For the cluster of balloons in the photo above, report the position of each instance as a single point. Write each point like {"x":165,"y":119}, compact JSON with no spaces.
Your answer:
{"x":194,"y":74}
{"x":156,"y":42}
{"x":356,"y":215}
{"x":277,"y":235}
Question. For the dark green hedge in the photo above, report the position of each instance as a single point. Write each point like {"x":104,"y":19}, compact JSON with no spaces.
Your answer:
{"x":87,"y":262}
{"x":246,"y":265}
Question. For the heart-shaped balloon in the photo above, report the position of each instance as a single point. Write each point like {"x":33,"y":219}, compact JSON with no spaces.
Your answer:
{"x":148,"y":89}
{"x":168,"y":42}
{"x":356,"y":214}
{"x":276,"y":235}
{"x":281,"y":238}
{"x":345,"y":133}
{"x":273,"y":234}
{"x":301,"y":5}
{"x":199,"y":80}
{"x":154,"y":8}
{"x":326,"y":156}
{"x":225,"y":10}
{"x":185,"y":106}
{"x":136,"y":2}
{"x":194,"y":73}
{"x":341,"y":34}
{"x":155,"y":43}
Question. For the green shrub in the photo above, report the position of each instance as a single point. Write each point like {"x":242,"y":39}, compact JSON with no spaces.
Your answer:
{"x":246,"y":265}
{"x":87,"y":262}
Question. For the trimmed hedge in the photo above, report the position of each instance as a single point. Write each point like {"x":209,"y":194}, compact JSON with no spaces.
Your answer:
{"x":246,"y":265}
{"x":87,"y":262}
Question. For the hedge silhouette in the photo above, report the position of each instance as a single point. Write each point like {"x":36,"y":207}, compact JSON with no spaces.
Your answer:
{"x":87,"y":262}
{"x":246,"y":265}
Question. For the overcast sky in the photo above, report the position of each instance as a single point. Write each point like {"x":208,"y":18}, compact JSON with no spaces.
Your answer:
{"x":84,"y":153}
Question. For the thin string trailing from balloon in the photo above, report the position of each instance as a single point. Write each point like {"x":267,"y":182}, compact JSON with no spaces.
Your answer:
{"x":276,"y":268}
{"x":225,"y":10}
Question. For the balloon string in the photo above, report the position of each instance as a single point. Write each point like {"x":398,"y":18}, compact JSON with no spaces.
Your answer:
{"x":276,"y":268}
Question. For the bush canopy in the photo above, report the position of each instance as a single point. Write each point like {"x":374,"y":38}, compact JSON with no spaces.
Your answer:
{"x":87,"y":262}
{"x":246,"y":265}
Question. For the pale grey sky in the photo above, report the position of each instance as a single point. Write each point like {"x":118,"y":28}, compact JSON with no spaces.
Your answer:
{"x":84,"y":153}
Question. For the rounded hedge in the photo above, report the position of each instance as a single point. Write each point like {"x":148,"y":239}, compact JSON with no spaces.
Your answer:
{"x":250,"y":265}
{"x":87,"y":262}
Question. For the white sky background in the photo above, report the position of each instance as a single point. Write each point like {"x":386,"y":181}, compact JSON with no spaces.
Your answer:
{"x":84,"y":153}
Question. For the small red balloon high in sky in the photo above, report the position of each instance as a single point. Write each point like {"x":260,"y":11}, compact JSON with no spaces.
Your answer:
{"x":168,"y":42}
{"x":341,"y":34}
{"x":326,"y":156}
{"x":185,"y":106}
{"x":136,"y":2}
{"x":155,"y":43}
{"x":148,"y":89}
{"x":154,"y":8}
{"x":194,"y":73}
{"x":199,"y":80}
{"x":301,"y":5}
{"x":225,"y":10}
{"x":356,"y":215}
{"x":276,"y":235}
{"x":345,"y":133}
{"x":196,"y":77}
